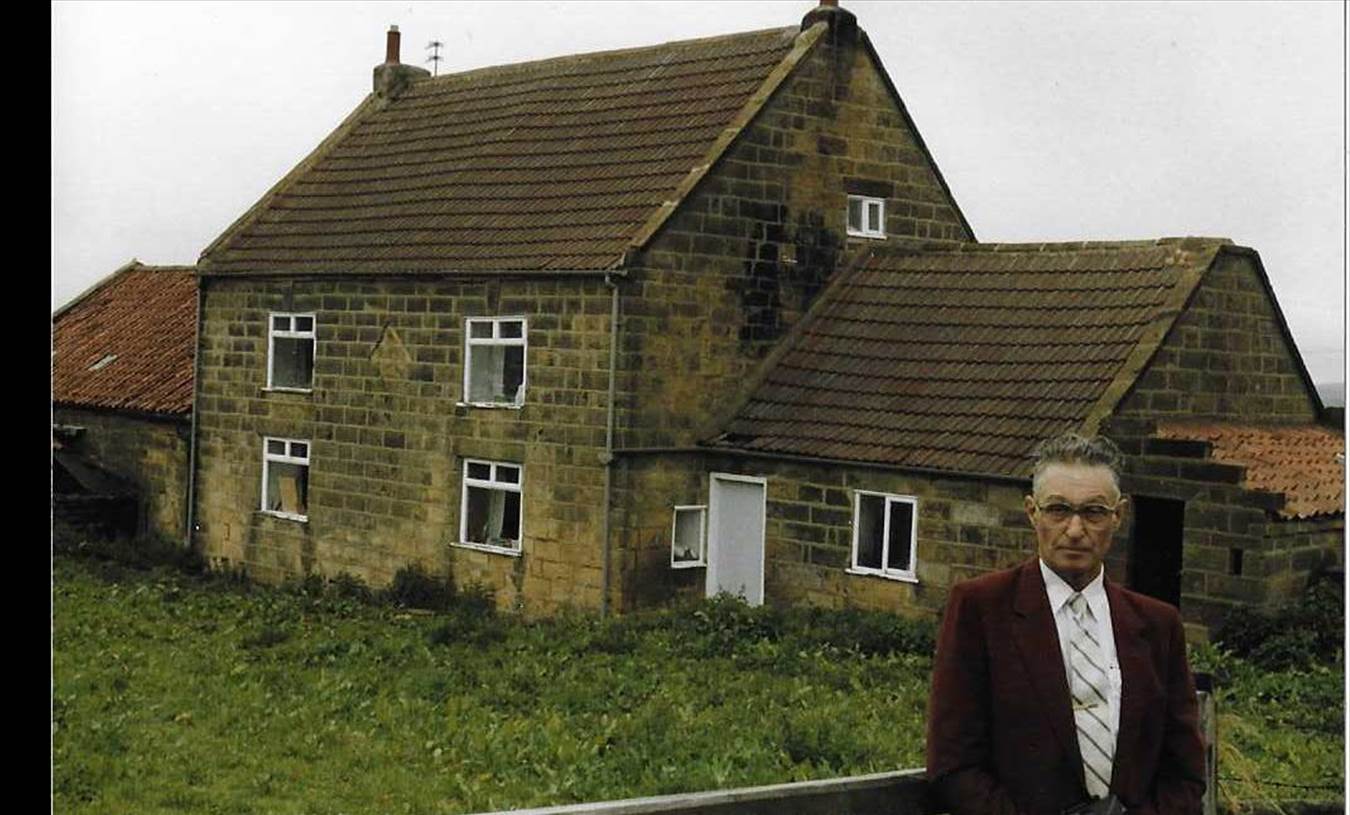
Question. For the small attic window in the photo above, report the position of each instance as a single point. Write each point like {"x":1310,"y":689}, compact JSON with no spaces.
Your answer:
{"x":866,"y":216}
{"x":103,"y":363}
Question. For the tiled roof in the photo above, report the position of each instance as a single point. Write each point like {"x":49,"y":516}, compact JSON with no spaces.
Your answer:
{"x":1299,"y":461}
{"x":963,"y":359}
{"x":128,"y":343}
{"x":549,"y":165}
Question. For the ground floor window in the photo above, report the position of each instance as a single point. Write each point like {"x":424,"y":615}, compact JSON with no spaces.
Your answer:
{"x":490,"y":511}
{"x":285,"y":486}
{"x":885,"y":528}
{"x":687,"y":547}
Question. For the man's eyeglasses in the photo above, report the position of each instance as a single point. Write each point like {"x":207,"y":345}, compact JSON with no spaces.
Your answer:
{"x":1095,"y":515}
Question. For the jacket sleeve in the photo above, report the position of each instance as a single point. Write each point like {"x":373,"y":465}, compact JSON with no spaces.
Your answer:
{"x":1179,"y":783}
{"x":960,"y":754}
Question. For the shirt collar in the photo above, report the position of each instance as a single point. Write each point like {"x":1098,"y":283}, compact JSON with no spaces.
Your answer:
{"x":1057,"y":591}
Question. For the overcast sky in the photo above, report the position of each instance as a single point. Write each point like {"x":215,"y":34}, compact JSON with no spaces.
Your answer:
{"x":1050,"y":121}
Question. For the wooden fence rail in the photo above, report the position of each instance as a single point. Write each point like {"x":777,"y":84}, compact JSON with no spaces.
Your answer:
{"x":904,"y":792}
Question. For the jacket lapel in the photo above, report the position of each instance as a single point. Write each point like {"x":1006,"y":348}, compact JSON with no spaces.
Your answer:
{"x":1038,"y":643}
{"x":1136,"y":688}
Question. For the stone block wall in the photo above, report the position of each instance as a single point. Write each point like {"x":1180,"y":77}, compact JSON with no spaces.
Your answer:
{"x":965,"y":528}
{"x":389,"y":432}
{"x":1225,"y":358}
{"x":151,"y":452}
{"x":745,"y":256}
{"x":1236,"y":551}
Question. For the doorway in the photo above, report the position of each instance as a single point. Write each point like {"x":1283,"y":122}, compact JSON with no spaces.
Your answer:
{"x":736,"y":536}
{"x":1155,"y":548}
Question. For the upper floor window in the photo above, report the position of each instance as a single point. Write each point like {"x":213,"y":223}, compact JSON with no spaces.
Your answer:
{"x":285,"y":487}
{"x":866,"y":216}
{"x":494,"y":361}
{"x":489,"y":512}
{"x":885,"y":528}
{"x":290,"y":351}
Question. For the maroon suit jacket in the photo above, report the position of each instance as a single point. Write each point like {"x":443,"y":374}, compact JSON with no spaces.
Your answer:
{"x":1001,"y":736}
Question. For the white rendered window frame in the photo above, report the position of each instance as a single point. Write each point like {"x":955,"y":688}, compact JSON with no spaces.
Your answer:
{"x":702,"y":559}
{"x":290,"y":333}
{"x":491,"y":483}
{"x":287,"y":457}
{"x":909,"y":575}
{"x":867,"y":228}
{"x":470,"y":342}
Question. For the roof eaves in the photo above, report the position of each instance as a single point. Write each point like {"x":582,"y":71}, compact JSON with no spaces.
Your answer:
{"x":1192,"y":272}
{"x":131,"y":264}
{"x":805,"y":42}
{"x":1247,"y":251}
{"x":371,"y":103}
{"x":615,"y":268}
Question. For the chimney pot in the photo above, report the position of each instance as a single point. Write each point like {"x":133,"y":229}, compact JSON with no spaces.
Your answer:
{"x":391,"y":46}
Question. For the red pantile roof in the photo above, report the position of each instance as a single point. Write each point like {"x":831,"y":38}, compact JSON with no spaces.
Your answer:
{"x":128,"y":343}
{"x":552,"y":165}
{"x":963,"y":359}
{"x":1300,"y":462}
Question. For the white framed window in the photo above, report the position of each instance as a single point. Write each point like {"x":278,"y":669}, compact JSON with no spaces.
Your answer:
{"x":290,"y":351}
{"x":494,"y":361}
{"x":688,"y":537}
{"x":885,"y":528}
{"x":285,"y":482}
{"x":490,"y":508}
{"x":866,"y":216}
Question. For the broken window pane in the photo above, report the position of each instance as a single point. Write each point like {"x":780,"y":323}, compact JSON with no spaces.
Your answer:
{"x":871,"y":509}
{"x":897,"y":554}
{"x":292,"y":362}
{"x":496,"y":373}
{"x":287,"y":487}
{"x":492,"y":517}
{"x":687,"y":543}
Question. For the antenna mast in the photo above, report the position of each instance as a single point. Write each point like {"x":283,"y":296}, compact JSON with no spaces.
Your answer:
{"x":435,"y":58}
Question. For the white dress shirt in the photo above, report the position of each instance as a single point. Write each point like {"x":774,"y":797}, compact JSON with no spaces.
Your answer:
{"x":1058,"y":593}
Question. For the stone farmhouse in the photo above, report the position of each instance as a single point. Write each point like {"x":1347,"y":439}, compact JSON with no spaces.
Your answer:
{"x":601,"y":330}
{"x":122,"y":359}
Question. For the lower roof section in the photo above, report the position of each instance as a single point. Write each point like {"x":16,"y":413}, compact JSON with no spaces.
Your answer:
{"x":962,"y":359}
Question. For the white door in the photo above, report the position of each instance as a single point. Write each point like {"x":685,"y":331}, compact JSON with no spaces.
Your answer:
{"x":736,"y":536}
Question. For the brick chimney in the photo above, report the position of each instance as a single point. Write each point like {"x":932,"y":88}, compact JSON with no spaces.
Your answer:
{"x":843,"y":24}
{"x":392,"y":77}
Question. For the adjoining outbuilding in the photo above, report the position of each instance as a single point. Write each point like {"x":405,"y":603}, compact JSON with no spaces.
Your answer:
{"x":122,"y":390}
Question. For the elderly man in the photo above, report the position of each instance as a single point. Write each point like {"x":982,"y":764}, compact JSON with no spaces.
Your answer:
{"x":1054,"y":689}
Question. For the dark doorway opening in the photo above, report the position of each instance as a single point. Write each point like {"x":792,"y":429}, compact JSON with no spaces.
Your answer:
{"x":1155,"y":549}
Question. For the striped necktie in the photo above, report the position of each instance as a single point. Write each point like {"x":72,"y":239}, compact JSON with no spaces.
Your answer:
{"x":1088,"y":684}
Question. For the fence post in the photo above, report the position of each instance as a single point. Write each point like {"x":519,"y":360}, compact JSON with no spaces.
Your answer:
{"x":1209,"y":733}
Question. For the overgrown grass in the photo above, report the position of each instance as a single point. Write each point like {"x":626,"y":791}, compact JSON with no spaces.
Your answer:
{"x":179,"y":693}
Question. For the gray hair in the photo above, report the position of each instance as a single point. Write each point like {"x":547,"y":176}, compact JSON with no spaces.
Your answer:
{"x":1071,"y":448}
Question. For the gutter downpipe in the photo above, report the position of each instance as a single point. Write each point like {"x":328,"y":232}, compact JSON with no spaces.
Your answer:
{"x":192,"y":434}
{"x":607,"y":458}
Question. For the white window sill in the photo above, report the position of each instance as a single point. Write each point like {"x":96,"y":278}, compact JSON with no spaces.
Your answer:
{"x":483,"y":547}
{"x":900,"y":577}
{"x":287,"y":390}
{"x":877,"y":236}
{"x":286,"y":516}
{"x":688,"y":564}
{"x":498,"y":405}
